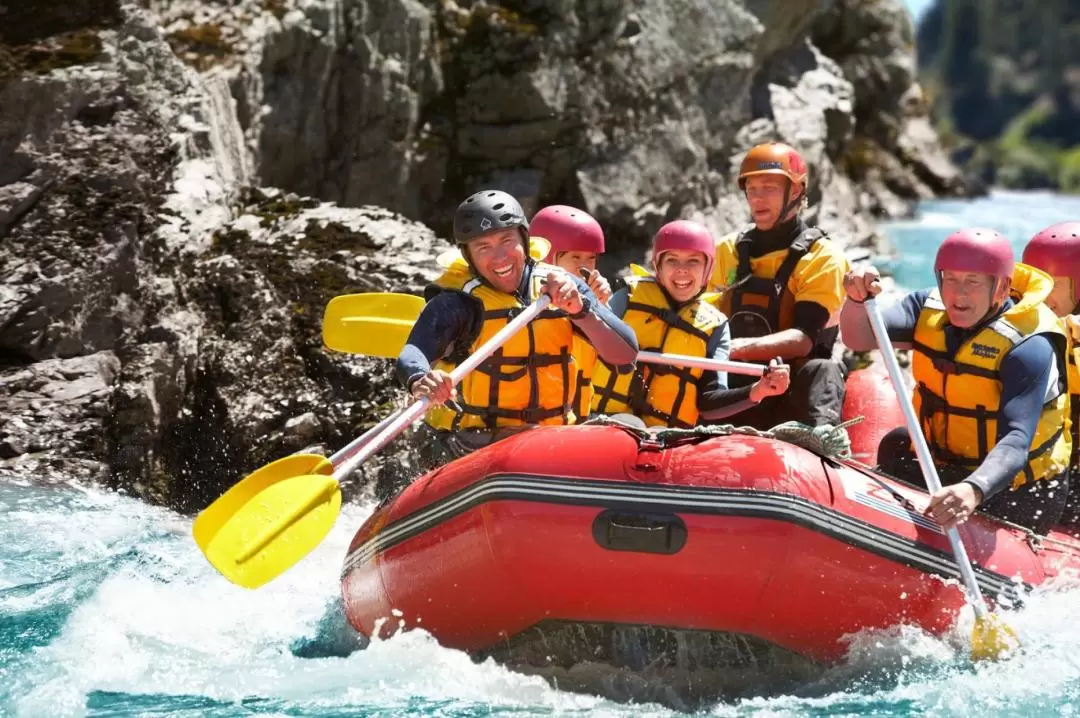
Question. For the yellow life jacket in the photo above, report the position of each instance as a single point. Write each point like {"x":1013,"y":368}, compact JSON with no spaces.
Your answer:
{"x":758,"y":294}
{"x":957,"y":396}
{"x":529,"y":380}
{"x":585,"y":359}
{"x":1072,"y":356}
{"x":1074,"y":365}
{"x":661,"y":395}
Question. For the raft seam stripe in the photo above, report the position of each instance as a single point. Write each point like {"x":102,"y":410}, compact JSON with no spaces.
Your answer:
{"x":898,"y":511}
{"x":795,"y":509}
{"x":768,"y":505}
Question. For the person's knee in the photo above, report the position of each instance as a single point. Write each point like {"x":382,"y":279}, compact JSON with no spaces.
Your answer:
{"x":817,"y":371}
{"x":817,"y":390}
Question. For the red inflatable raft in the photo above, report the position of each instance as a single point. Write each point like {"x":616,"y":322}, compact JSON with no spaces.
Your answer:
{"x":736,"y":535}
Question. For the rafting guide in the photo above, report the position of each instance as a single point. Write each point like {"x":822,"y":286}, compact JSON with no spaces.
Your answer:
{"x":781,"y":284}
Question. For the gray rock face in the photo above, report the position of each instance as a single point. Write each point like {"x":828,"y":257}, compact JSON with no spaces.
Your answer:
{"x":635,"y":111}
{"x":894,"y":154}
{"x":160,"y":328}
{"x":161,"y":303}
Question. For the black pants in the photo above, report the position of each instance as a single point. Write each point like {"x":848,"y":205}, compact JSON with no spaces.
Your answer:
{"x":1037,"y":505}
{"x":1070,"y":519}
{"x":437,"y":448}
{"x":815,"y":397}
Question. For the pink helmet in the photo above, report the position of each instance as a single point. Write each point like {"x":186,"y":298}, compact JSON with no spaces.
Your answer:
{"x":568,"y":230}
{"x":980,"y":250}
{"x":1056,"y":250}
{"x":684,"y":234}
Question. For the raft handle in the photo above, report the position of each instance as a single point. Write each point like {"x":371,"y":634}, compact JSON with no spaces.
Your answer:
{"x":640,"y":532}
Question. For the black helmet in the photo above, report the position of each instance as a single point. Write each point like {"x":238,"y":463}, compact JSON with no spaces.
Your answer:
{"x":487,"y":211}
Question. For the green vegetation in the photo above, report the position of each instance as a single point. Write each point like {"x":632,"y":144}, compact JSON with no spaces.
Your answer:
{"x":1003,"y":77}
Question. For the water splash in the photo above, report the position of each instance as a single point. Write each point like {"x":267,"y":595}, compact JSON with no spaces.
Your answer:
{"x":107,"y":607}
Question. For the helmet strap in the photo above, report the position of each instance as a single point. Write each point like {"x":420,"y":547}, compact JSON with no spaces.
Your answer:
{"x":789,"y":202}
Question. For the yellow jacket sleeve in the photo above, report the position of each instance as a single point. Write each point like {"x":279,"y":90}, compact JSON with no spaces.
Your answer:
{"x":819,"y":276}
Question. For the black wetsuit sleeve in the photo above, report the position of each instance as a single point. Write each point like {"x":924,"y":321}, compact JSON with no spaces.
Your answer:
{"x":448,"y":318}
{"x":1026,"y":376}
{"x":715,"y":400}
{"x":611,"y":337}
{"x":810,"y":318}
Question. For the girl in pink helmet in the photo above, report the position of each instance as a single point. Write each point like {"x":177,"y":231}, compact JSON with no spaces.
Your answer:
{"x":576,"y":241}
{"x":1056,"y":251}
{"x":668,"y":314}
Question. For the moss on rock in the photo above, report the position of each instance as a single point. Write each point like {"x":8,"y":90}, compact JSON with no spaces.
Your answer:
{"x":201,"y":46}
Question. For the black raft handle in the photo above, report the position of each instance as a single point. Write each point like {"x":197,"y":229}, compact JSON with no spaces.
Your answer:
{"x":641,"y":532}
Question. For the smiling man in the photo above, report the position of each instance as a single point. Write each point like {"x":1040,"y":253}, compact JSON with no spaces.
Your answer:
{"x":781,"y":285}
{"x":531,"y":379}
{"x":990,"y":382}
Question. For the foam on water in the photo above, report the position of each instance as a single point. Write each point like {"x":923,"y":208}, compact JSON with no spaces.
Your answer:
{"x":107,"y":607}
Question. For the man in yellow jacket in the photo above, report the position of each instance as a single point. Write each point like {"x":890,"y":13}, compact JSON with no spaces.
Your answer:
{"x":990,"y":375}
{"x":1056,"y":251}
{"x":781,"y":284}
{"x":668,"y":315}
{"x":530,"y":380}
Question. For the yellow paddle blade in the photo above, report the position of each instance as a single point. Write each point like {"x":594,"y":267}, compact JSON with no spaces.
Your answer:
{"x":270,"y":520}
{"x":992,"y":639}
{"x":377,"y":324}
{"x":639,"y":271}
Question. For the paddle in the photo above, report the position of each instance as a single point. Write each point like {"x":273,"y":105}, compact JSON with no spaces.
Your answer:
{"x":276,"y":515}
{"x":731,"y":367}
{"x":352,"y":308}
{"x":990,"y":638}
{"x":372,"y":323}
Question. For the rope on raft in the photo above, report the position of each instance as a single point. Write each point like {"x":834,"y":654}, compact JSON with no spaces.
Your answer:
{"x":827,"y":440}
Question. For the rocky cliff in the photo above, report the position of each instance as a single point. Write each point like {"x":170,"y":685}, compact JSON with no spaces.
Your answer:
{"x":184,"y":185}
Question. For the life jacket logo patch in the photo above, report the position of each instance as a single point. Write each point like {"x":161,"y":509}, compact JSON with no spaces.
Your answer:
{"x":984,"y":351}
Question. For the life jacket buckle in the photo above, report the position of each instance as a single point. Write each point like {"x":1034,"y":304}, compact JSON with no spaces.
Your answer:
{"x":944,"y":366}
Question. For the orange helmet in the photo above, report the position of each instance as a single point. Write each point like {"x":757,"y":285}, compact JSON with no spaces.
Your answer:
{"x":773,"y":158}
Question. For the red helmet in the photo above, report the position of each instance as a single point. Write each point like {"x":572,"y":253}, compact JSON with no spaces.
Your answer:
{"x":1056,"y":250}
{"x":773,"y":158}
{"x":980,"y":250}
{"x":568,"y":230}
{"x":684,"y":234}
